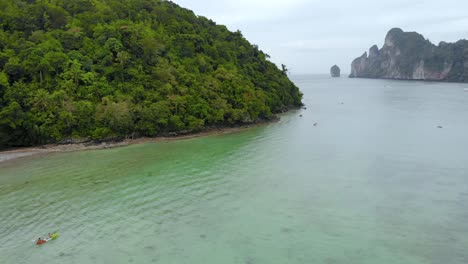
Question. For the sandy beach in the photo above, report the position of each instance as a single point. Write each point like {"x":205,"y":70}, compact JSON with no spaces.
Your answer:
{"x":13,"y":154}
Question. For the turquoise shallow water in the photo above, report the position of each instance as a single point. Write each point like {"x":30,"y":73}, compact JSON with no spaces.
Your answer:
{"x":375,"y":181}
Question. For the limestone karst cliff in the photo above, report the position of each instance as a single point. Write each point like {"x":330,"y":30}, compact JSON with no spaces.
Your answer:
{"x":409,"y":56}
{"x":335,"y":71}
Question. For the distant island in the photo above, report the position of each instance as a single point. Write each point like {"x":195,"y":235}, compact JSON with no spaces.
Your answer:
{"x":409,"y":56}
{"x":335,"y":71}
{"x":112,"y":69}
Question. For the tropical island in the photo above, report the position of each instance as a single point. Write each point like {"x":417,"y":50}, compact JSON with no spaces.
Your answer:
{"x":409,"y":56}
{"x":113,"y":69}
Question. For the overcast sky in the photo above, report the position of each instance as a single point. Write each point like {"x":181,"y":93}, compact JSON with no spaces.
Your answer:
{"x":309,"y":36}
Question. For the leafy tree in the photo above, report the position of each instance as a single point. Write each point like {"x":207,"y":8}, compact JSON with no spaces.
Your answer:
{"x":111,"y":68}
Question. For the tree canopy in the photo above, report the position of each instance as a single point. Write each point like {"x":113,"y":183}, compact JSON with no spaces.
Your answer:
{"x":111,"y":68}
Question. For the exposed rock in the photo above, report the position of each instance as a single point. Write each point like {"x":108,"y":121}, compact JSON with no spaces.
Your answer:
{"x":409,"y":56}
{"x":335,"y":71}
{"x":374,"y":52}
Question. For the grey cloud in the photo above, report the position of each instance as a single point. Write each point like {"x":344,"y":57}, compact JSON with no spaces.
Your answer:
{"x":311,"y":35}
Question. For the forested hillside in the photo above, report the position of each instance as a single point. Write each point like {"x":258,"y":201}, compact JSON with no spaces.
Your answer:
{"x":111,"y":68}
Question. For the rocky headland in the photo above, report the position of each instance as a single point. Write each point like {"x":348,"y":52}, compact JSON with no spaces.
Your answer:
{"x":409,"y":56}
{"x":106,"y":69}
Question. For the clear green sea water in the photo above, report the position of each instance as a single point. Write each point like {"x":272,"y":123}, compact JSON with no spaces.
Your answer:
{"x":375,"y":181}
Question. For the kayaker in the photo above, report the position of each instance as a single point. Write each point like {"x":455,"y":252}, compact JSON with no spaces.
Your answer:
{"x":40,"y":241}
{"x":50,"y":236}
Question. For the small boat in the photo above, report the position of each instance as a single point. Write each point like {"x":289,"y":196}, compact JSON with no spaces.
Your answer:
{"x":54,"y":236}
{"x":47,"y":239}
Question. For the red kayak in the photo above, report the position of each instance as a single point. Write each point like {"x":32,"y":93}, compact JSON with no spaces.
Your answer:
{"x":40,"y":242}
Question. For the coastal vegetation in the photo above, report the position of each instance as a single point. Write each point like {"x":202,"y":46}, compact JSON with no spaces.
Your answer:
{"x":103,"y":69}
